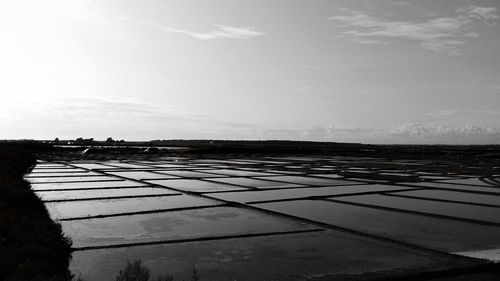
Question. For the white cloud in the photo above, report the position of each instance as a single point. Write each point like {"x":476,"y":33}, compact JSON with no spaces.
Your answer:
{"x":316,"y":133}
{"x":443,"y":134}
{"x":443,"y":34}
{"x":220,"y":31}
{"x":483,"y":13}
{"x":409,"y":133}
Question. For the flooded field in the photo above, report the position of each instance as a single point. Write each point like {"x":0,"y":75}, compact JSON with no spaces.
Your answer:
{"x":271,"y":218}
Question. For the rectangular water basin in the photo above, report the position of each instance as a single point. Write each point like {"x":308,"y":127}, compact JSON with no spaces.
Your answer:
{"x":141,"y":175}
{"x":57,"y":170}
{"x":102,"y":193}
{"x":196,"y":185}
{"x":281,"y":257}
{"x":450,"y":186}
{"x":50,"y":165}
{"x":440,"y":208}
{"x":256,"y":183}
{"x":71,"y":179}
{"x":471,"y":181}
{"x":465,"y":197}
{"x":72,"y":174}
{"x":209,"y":222}
{"x":309,"y":180}
{"x":238,"y":173}
{"x":125,"y":165}
{"x":83,"y":185}
{"x":330,"y":176}
{"x":492,"y":254}
{"x":91,"y":166}
{"x":171,"y":166}
{"x":64,"y":210}
{"x":294,"y":193}
{"x":434,"y":233}
{"x":189,"y":174}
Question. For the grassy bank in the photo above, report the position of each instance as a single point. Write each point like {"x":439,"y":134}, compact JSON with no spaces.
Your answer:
{"x":32,"y":246}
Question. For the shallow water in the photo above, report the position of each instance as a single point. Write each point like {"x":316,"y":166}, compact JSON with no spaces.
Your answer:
{"x":50,"y":165}
{"x":493,"y":254}
{"x":125,"y":165}
{"x":174,"y":213}
{"x":71,"y":174}
{"x":250,"y":196}
{"x":240,"y":173}
{"x":451,"y":186}
{"x":278,"y":258}
{"x":257,"y":183}
{"x":196,"y":185}
{"x":466,"y":197}
{"x":91,"y":166}
{"x":440,"y":208}
{"x":56,"y":170}
{"x":173,"y":166}
{"x":309,"y":180}
{"x":217,"y":221}
{"x":435,"y":233}
{"x":62,"y":210}
{"x":140,"y":175}
{"x":81,"y":185}
{"x":189,"y":174}
{"x":71,"y":179}
{"x":102,"y":193}
{"x":471,"y":181}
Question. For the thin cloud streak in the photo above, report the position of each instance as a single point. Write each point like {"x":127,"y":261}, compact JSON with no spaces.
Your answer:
{"x":486,"y":14}
{"x":442,"y":34}
{"x":220,"y":31}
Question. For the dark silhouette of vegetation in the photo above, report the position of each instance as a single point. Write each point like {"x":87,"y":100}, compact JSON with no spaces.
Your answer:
{"x":136,"y":271}
{"x":195,"y":276}
{"x":32,"y":245}
{"x":82,"y":141}
{"x":164,"y":278}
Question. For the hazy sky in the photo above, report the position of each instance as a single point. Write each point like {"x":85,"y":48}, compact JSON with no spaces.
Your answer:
{"x":425,"y":71}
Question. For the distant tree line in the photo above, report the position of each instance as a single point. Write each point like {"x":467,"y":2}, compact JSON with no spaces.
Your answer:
{"x":87,"y":141}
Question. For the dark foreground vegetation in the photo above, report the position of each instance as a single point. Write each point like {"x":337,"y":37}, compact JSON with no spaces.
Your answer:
{"x":137,"y":271}
{"x":32,"y":246}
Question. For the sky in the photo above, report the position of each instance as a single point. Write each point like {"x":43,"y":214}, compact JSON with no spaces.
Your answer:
{"x":381,"y":71}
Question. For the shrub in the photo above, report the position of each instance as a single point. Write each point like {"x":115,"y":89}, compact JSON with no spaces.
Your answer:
{"x":134,"y":271}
